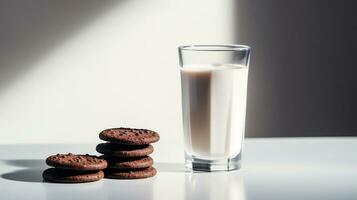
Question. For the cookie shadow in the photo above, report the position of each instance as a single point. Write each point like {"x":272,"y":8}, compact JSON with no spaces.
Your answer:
{"x":26,"y":163}
{"x":30,"y":170}
{"x":25,"y":175}
{"x":170,"y":167}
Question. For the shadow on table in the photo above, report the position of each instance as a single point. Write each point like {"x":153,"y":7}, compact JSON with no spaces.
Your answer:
{"x":28,"y":163}
{"x":32,"y":171}
{"x":25,"y":175}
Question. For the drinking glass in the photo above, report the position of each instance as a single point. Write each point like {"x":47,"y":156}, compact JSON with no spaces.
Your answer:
{"x":214,"y":92}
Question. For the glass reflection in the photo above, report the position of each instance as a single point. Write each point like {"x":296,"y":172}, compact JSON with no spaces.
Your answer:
{"x":212,"y":186}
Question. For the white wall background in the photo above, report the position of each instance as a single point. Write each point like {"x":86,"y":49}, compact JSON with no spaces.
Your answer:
{"x":115,"y":68}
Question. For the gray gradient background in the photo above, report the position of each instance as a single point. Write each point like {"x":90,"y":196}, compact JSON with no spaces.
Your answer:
{"x":303,"y":71}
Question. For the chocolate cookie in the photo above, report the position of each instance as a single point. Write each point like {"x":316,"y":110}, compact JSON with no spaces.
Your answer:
{"x":130,"y":174}
{"x":129,"y":136}
{"x":71,"y":176}
{"x":119,"y":150}
{"x":76,"y":162}
{"x":129,"y":163}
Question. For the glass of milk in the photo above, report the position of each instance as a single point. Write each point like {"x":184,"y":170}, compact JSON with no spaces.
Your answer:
{"x":214,"y":92}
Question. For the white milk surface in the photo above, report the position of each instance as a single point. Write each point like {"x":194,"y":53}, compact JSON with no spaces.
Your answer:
{"x":214,"y":109}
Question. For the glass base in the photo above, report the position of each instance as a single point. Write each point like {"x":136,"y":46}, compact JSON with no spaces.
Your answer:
{"x":226,"y":164}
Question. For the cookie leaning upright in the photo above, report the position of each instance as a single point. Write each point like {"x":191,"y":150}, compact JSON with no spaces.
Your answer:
{"x":127,"y":152}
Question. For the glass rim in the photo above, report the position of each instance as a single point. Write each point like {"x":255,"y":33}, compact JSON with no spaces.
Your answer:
{"x":214,"y":47}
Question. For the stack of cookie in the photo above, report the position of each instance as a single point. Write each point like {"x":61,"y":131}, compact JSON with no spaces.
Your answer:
{"x":70,"y":168}
{"x":127,"y":152}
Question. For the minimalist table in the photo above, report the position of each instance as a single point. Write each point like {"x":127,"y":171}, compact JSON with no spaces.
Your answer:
{"x":277,"y":168}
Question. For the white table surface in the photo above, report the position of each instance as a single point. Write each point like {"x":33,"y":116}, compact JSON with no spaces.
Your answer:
{"x":283,"y":168}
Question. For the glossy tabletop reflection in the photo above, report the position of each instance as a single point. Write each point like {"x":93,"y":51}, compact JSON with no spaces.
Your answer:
{"x":282,"y":168}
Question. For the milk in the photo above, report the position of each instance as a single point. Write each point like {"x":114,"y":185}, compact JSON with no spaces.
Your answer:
{"x":214,"y":108}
